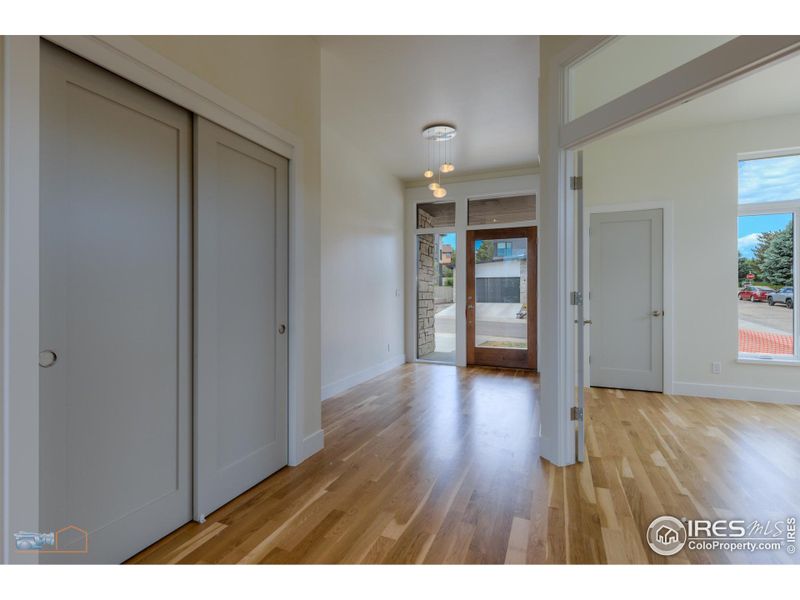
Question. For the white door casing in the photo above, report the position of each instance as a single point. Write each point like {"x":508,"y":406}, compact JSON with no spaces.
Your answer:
{"x":241,"y":311}
{"x":580,"y":314}
{"x":626,"y":265}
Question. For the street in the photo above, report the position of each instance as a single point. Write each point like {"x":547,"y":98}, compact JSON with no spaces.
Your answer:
{"x":760,"y":316}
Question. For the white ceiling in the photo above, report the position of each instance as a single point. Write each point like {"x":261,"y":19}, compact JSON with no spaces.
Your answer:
{"x":381,"y":91}
{"x":772,"y":91}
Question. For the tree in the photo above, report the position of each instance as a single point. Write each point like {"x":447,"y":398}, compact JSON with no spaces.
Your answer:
{"x":745,"y":266}
{"x":485,"y":252}
{"x":759,"y":252}
{"x":775,"y":262}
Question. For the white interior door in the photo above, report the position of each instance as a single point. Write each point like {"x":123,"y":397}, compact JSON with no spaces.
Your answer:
{"x":627,"y":299}
{"x":115,"y":313}
{"x":241,"y":296}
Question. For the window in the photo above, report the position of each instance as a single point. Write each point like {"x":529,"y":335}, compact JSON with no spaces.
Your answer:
{"x":436,"y":214}
{"x":436,"y":284}
{"x":510,"y":209}
{"x":769,"y":217}
{"x":501,"y":293}
{"x":503,"y":249}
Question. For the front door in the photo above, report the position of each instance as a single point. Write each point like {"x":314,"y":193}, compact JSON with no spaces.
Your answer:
{"x":501,"y":297}
{"x":626,"y":300}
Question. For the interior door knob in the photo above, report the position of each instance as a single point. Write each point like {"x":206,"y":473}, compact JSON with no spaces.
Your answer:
{"x":47,"y":358}
{"x":657,"y":313}
{"x":282,"y":329}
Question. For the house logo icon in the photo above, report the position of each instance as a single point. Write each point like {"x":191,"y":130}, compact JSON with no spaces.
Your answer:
{"x":67,"y":540}
{"x":666,"y":535}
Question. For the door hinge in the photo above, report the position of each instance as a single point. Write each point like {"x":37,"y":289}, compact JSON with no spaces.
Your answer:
{"x":575,"y":298}
{"x":576,"y":413}
{"x":576,"y":182}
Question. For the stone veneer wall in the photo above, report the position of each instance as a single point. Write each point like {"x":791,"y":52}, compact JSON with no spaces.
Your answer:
{"x":426,"y":278}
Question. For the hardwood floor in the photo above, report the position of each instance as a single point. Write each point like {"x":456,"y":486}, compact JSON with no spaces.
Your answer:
{"x":434,"y":464}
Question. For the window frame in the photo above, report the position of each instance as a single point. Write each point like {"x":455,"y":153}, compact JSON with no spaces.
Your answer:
{"x":789,"y":206}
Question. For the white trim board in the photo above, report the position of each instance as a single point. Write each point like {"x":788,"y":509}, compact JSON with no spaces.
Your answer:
{"x":313,"y":443}
{"x":736,"y":392}
{"x":131,"y":60}
{"x":668,"y":353}
{"x":344,"y":384}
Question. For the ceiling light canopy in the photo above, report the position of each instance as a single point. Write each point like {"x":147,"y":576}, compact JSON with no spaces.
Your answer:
{"x":440,"y":155}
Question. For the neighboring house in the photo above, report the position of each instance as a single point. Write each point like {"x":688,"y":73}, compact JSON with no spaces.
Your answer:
{"x":503,"y":277}
{"x":446,"y":254}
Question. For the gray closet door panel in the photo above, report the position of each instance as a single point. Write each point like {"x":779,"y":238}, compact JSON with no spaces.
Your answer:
{"x":115,"y":307}
{"x":241,"y":292}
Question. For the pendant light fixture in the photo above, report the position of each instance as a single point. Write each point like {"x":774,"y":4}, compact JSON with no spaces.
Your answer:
{"x":440,"y":139}
{"x":428,"y":172}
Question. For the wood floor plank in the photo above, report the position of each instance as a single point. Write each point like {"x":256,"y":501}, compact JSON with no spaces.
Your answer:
{"x":440,"y":465}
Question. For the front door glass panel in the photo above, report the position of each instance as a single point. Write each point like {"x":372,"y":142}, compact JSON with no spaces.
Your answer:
{"x":501,"y":293}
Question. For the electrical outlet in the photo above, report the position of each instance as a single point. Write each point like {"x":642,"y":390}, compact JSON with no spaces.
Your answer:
{"x":716,"y":367}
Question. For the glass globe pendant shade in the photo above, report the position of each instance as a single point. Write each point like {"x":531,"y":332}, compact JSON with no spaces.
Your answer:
{"x":428,"y":174}
{"x":439,"y":192}
{"x":433,"y":186}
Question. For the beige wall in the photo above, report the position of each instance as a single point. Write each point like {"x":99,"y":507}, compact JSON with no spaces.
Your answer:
{"x":279,"y":77}
{"x":362,"y":266}
{"x":362,"y":256}
{"x":694,"y":170}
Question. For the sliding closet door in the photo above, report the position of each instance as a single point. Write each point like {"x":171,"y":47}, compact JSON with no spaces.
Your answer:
{"x":115,"y":313}
{"x":241,"y":304}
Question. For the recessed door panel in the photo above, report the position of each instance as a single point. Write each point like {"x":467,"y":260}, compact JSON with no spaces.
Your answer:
{"x":115,"y":312}
{"x":241,"y":310}
{"x":627,"y":300}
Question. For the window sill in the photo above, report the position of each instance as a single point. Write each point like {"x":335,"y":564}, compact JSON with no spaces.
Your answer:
{"x":758,"y":360}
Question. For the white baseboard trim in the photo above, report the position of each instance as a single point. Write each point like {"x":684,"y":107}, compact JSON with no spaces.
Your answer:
{"x":311,"y":445}
{"x":344,"y":384}
{"x":735,"y":392}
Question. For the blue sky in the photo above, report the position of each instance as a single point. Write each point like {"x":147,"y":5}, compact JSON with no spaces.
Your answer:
{"x":751,"y":225}
{"x":766,"y":180}
{"x":449,"y":238}
{"x":769,"y":179}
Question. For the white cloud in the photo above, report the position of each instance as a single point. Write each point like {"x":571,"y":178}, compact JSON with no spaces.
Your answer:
{"x":769,"y":179}
{"x":747,"y":244}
